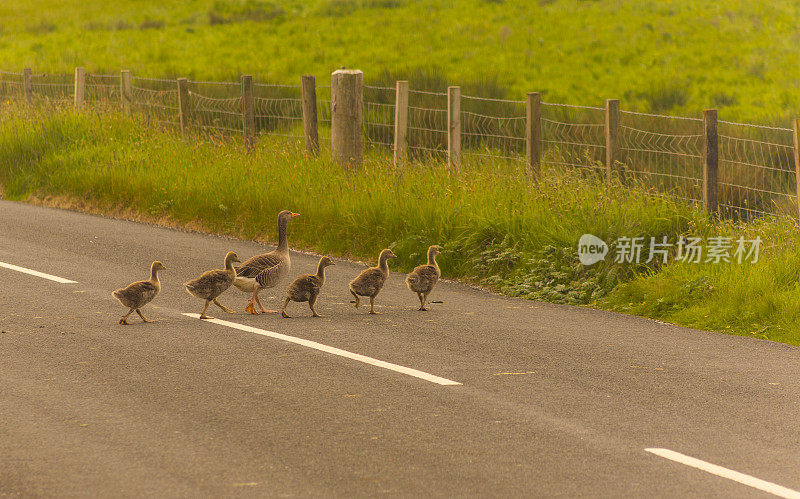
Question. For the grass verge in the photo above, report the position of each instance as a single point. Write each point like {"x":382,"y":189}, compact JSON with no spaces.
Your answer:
{"x":496,"y":226}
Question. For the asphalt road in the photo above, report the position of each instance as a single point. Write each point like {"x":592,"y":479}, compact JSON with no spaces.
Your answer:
{"x":552,"y":400}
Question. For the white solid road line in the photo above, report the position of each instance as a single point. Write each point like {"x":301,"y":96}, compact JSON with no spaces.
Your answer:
{"x":37,"y":274}
{"x":748,"y":480}
{"x":333,"y":350}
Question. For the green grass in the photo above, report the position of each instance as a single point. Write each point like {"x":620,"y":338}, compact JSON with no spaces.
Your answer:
{"x":672,"y":56}
{"x":496,"y":226}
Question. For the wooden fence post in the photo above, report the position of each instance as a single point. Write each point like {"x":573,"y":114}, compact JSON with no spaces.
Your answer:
{"x":183,"y":104}
{"x":533,"y":133}
{"x":796,"y":134}
{"x":612,"y":136}
{"x":710,"y":160}
{"x":308,"y":85}
{"x":454,"y":127}
{"x":125,"y":92}
{"x":401,"y":124}
{"x":248,"y":111}
{"x":79,"y":89}
{"x":27,"y":84}
{"x":347,"y":117}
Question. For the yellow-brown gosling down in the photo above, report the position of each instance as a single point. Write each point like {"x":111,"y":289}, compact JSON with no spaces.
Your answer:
{"x":423,"y":278}
{"x":140,"y":293}
{"x":370,"y":281}
{"x":307,"y":287}
{"x":267,"y":270}
{"x":213,"y":283}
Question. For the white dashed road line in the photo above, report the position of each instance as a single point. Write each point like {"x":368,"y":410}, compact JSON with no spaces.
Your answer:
{"x":37,"y":274}
{"x":333,"y":350}
{"x":748,"y":480}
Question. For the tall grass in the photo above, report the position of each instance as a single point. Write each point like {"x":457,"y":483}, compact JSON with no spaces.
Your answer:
{"x":497,"y":225}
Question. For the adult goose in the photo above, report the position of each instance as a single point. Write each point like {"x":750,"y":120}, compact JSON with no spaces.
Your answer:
{"x":267,"y":270}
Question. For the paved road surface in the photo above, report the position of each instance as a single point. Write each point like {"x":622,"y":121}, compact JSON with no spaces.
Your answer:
{"x":552,"y":400}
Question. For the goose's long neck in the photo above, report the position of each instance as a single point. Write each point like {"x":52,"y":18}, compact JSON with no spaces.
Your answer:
{"x":383,"y":266}
{"x":283,"y":244}
{"x":321,"y":271}
{"x":153,"y":274}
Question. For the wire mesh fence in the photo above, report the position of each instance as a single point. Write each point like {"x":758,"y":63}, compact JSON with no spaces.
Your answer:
{"x":279,"y":110}
{"x":12,"y":86}
{"x":492,"y":128}
{"x":157,"y":99}
{"x":103,"y":88}
{"x":664,"y":154}
{"x":427,"y":125}
{"x":573,"y":136}
{"x":756,"y":170}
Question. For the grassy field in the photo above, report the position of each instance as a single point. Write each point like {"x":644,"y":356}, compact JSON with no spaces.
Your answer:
{"x":674,"y":57}
{"x":496,"y":227}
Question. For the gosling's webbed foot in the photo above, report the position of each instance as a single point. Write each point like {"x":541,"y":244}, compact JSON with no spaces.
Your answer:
{"x":315,"y":315}
{"x":422,"y":309}
{"x":372,"y":312}
{"x":124,"y":321}
{"x":206,"y":317}
{"x":284,"y":315}
{"x":270,"y":311}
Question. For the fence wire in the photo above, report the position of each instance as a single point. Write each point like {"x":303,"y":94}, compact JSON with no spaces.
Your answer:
{"x":215,"y":107}
{"x":157,"y":99}
{"x":573,"y":136}
{"x":278,"y":110}
{"x":663,"y":153}
{"x":103,"y":88}
{"x":492,"y":128}
{"x":427,"y":125}
{"x":756,"y":170}
{"x":53,"y":87}
{"x":12,"y":86}
{"x":379,"y":104}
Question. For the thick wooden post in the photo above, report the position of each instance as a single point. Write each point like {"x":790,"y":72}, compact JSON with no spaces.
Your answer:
{"x":310,"y":129}
{"x":183,"y":104}
{"x":796,"y":134}
{"x":401,"y":124}
{"x":612,"y":135}
{"x":248,"y":111}
{"x":533,"y":133}
{"x":79,"y":90}
{"x":710,"y":160}
{"x":454,"y":127}
{"x":347,"y":117}
{"x":27,"y":84}
{"x":125,"y":91}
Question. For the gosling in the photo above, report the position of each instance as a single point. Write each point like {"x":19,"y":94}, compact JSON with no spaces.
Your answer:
{"x":138,"y":294}
{"x":371,"y":281}
{"x":307,"y":287}
{"x":423,"y":278}
{"x":213,"y":283}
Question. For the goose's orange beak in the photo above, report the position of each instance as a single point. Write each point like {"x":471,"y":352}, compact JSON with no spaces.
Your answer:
{"x":295,"y":215}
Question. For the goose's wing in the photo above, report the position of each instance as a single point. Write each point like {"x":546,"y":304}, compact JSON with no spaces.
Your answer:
{"x":270,"y":276}
{"x":255,"y":265}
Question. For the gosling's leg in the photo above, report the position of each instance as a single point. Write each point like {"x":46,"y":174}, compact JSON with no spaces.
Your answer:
{"x":250,"y":308}
{"x":223,"y":307}
{"x":372,"y":305}
{"x":421,"y":302}
{"x":264,"y":310}
{"x":283,"y":310}
{"x":358,"y":302}
{"x":124,"y":319}
{"x":311,"y":303}
{"x":140,"y":315}
{"x":205,"y":309}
